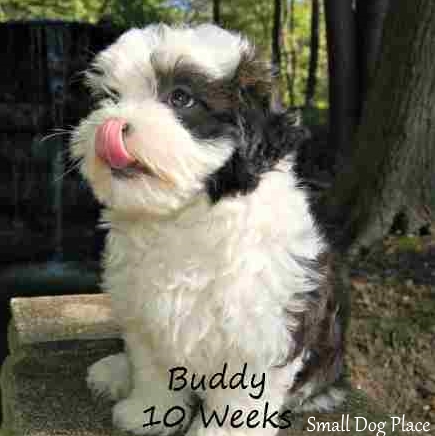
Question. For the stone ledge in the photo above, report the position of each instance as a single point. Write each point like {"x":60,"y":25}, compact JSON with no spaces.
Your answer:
{"x":53,"y":320}
{"x":55,"y":339}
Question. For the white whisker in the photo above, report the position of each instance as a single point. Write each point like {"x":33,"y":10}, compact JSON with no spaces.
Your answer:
{"x":73,"y":167}
{"x":55,"y":135}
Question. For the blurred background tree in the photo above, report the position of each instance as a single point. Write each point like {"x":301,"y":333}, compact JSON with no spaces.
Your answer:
{"x":302,"y":70}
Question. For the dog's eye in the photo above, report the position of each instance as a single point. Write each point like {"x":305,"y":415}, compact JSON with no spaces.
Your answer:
{"x":179,"y":98}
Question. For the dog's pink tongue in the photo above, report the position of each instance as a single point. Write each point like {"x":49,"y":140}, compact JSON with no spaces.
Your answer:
{"x":109,"y":143}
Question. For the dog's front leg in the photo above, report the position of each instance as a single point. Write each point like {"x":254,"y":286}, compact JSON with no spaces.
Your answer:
{"x":149,"y":394}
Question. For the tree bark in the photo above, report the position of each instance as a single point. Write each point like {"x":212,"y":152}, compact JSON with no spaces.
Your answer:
{"x":314,"y":55}
{"x":392,"y":166}
{"x":216,"y":12}
{"x":343,"y":77}
{"x":276,"y":52}
{"x":370,"y":22}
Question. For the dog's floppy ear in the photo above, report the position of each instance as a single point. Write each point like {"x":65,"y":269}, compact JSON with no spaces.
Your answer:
{"x":254,"y":80}
{"x":284,"y":134}
{"x":285,"y":129}
{"x":279,"y":130}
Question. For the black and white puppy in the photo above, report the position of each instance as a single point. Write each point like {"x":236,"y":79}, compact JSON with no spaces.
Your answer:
{"x":213,"y":257}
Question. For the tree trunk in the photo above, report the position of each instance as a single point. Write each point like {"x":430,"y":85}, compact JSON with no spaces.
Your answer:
{"x":217,"y":12}
{"x":343,"y":77}
{"x":285,"y":52}
{"x":370,"y":21}
{"x":276,"y":52}
{"x":314,"y":55}
{"x":292,"y":62}
{"x":392,"y":166}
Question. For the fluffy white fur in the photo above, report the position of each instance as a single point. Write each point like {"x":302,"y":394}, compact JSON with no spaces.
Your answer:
{"x":192,"y":283}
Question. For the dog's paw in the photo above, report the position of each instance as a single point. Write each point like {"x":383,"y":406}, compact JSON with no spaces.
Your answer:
{"x":110,"y":377}
{"x":129,"y":415}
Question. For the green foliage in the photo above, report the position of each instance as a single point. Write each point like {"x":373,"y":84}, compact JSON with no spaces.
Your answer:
{"x":408,"y":244}
{"x":121,"y":12}
{"x":136,"y":13}
{"x":87,"y":10}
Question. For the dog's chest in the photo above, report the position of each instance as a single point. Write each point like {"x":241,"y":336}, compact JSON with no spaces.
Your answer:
{"x":215,"y":281}
{"x":196,"y":302}
{"x":172,"y":289}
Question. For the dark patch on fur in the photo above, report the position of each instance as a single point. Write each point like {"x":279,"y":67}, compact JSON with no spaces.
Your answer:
{"x":237,"y":108}
{"x":320,"y":334}
{"x":263,"y":140}
{"x":263,"y":137}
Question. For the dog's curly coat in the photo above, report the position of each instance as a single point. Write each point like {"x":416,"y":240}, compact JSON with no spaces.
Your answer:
{"x":213,"y":255}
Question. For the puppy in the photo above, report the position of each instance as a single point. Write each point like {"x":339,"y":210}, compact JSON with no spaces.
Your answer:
{"x":213,"y":259}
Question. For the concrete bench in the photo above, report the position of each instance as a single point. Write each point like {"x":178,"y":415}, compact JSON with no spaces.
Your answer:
{"x":52,"y":340}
